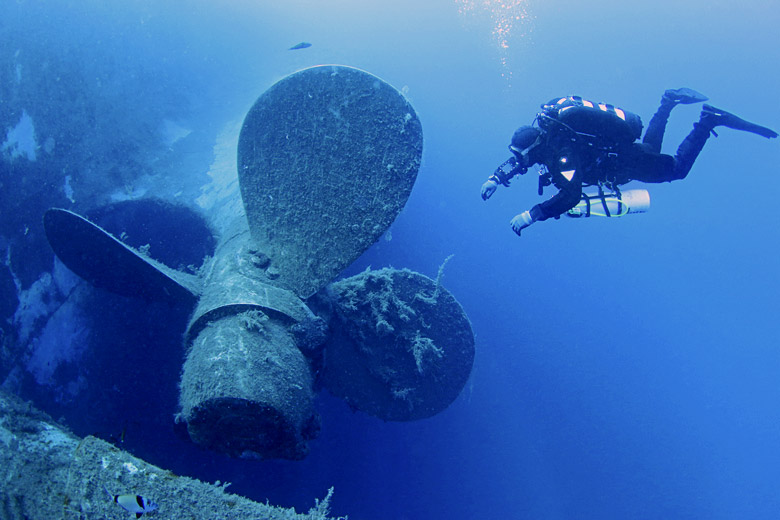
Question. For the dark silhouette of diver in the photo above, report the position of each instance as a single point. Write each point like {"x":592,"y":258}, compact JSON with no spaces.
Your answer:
{"x":580,"y":143}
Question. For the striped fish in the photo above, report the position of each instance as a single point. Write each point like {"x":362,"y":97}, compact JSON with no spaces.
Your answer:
{"x":135,"y":504}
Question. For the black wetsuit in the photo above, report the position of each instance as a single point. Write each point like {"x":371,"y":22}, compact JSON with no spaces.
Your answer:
{"x":573,"y":163}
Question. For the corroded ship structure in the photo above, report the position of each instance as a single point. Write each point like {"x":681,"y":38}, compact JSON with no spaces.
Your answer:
{"x":327,"y":158}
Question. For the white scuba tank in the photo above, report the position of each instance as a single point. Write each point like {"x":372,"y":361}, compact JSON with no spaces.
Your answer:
{"x":611,"y":204}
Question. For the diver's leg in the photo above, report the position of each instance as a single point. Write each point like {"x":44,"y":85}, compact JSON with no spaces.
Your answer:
{"x":711,"y":118}
{"x":645,"y":165}
{"x":654,"y":135}
{"x":693,"y":143}
{"x":689,"y":150}
{"x":659,"y":167}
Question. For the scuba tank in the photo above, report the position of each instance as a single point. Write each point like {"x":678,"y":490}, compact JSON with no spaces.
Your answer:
{"x":611,"y":203}
{"x":598,"y":124}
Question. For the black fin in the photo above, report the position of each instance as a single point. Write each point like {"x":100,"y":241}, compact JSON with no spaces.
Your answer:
{"x":685,"y":96}
{"x":712,"y":117}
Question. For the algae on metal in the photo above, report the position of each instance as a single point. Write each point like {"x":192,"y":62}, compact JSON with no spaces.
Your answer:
{"x":47,"y":472}
{"x":401,"y":346}
{"x":239,"y":277}
{"x":246,"y":388}
{"x":327,"y":158}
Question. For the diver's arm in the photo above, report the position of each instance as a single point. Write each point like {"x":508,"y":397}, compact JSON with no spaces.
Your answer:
{"x":503,"y":174}
{"x":569,"y":193}
{"x":567,"y":197}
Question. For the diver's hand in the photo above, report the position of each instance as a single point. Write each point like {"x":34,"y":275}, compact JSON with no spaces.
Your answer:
{"x":488,"y":189}
{"x":521,"y":221}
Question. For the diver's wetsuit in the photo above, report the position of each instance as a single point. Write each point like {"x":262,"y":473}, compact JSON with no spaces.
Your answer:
{"x":571,"y":164}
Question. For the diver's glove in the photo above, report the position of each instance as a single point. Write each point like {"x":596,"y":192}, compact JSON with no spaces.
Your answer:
{"x":521,"y":221}
{"x":503,"y":174}
{"x":489,"y":188}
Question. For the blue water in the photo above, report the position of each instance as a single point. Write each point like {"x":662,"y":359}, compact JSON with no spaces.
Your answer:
{"x":625,"y":368}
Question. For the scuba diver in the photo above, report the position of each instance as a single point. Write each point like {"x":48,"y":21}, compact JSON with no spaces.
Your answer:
{"x":580,"y":143}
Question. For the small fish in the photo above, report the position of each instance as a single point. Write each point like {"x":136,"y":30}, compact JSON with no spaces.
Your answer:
{"x":301,"y":45}
{"x":135,"y":504}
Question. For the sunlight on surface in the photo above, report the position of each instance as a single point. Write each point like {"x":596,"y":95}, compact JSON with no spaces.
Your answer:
{"x":509,"y":20}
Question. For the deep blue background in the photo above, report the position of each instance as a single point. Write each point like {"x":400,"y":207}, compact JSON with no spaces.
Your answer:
{"x":625,"y":368}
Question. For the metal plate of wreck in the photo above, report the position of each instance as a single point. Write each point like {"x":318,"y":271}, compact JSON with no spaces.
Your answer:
{"x":327,"y":158}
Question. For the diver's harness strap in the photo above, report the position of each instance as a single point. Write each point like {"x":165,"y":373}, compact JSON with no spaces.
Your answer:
{"x":607,"y":152}
{"x":545,"y":179}
{"x":603,"y":198}
{"x":545,"y":121}
{"x":616,"y":195}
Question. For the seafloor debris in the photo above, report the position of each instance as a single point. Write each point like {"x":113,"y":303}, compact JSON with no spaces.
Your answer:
{"x":50,"y":473}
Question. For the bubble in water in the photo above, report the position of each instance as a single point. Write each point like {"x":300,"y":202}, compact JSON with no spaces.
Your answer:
{"x":509,"y":21}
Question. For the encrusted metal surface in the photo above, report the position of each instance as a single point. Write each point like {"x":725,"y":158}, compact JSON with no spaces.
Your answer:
{"x":327,"y":158}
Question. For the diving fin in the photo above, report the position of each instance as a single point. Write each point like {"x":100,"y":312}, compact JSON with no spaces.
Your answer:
{"x":685,"y":96}
{"x":712,"y":117}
